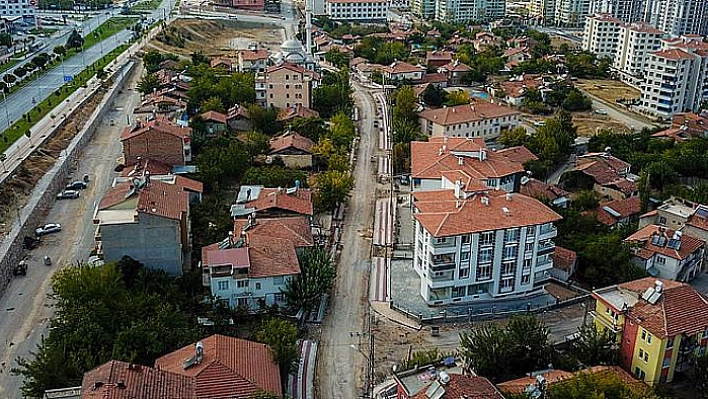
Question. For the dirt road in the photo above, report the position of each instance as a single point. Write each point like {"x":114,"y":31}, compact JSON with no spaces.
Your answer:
{"x":339,"y":366}
{"x":23,"y":311}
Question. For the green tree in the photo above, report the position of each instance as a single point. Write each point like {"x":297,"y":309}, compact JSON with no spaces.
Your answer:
{"x":274,"y":176}
{"x":152,"y":60}
{"x":75,"y":40}
{"x":199,"y":58}
{"x":341,"y":130}
{"x":256,"y":144}
{"x":585,"y":200}
{"x":605,"y":260}
{"x":264,"y":120}
{"x":221,"y":160}
{"x":699,"y":375}
{"x":9,"y":78}
{"x":434,"y":95}
{"x":312,"y":127}
{"x":332,"y":189}
{"x":598,"y":385}
{"x":401,"y":158}
{"x":406,"y":105}
{"x":661,"y":174}
{"x":337,"y":58}
{"x":5,"y":39}
{"x":514,"y":137}
{"x":334,"y":95}
{"x":317,"y":274}
{"x":576,"y":101}
{"x":60,"y":51}
{"x":20,"y":72}
{"x":457,"y":97}
{"x":595,"y":347}
{"x":148,"y":84}
{"x":281,"y":337}
{"x":213,"y":104}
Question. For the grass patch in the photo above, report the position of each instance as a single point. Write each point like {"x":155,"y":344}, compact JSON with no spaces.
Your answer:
{"x":146,"y":5}
{"x":9,"y":64}
{"x":108,"y":29}
{"x":23,"y":125}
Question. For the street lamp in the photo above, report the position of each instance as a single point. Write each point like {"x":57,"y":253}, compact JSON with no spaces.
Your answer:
{"x":7,"y":114}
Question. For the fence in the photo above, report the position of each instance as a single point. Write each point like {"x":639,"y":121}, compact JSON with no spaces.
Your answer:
{"x":472,"y":314}
{"x":43,"y":195}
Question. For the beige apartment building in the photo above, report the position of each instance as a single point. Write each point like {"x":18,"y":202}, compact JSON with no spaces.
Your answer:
{"x":286,"y":85}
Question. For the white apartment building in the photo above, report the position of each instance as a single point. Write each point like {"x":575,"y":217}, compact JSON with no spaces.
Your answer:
{"x":634,"y":44}
{"x":625,"y":10}
{"x":600,"y":35}
{"x":676,"y":79}
{"x":357,"y":10}
{"x":485,"y":120}
{"x":469,"y":10}
{"x":678,"y":17}
{"x":423,"y":8}
{"x":474,"y":244}
{"x":13,"y":8}
{"x":544,"y":10}
{"x":571,"y":13}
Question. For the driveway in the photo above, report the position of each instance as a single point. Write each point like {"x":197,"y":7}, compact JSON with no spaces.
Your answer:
{"x":339,"y":366}
{"x":24,"y":313}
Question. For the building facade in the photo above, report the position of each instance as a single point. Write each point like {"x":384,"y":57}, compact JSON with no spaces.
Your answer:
{"x":357,"y":10}
{"x":600,"y":35}
{"x":571,"y":13}
{"x":485,"y":120}
{"x":667,"y":254}
{"x":658,"y":324}
{"x":17,"y":8}
{"x":634,"y":44}
{"x":159,"y":140}
{"x":457,"y":11}
{"x":678,"y":17}
{"x":286,"y":85}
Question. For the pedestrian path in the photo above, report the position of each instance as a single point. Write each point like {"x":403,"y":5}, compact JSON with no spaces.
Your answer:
{"x":383,"y":223}
{"x":380,"y":281}
{"x":384,"y":166}
{"x":300,"y":385}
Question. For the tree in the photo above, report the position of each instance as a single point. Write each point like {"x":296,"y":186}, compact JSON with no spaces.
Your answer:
{"x":152,"y":60}
{"x":501,"y":354}
{"x":5,"y":39}
{"x":606,"y":260}
{"x":598,"y":385}
{"x":199,"y":58}
{"x":699,"y":375}
{"x":256,"y":144}
{"x":221,"y":159}
{"x":264,"y":120}
{"x":333,"y":95}
{"x":576,"y":101}
{"x":9,"y":78}
{"x":332,"y":189}
{"x":213,"y":104}
{"x":434,"y":95}
{"x":75,"y":40}
{"x":20,"y":72}
{"x":457,"y":97}
{"x":341,"y":131}
{"x":274,"y":176}
{"x":60,"y":51}
{"x":401,"y":158}
{"x":40,"y":60}
{"x":406,"y":105}
{"x":661,"y":174}
{"x":585,"y":200}
{"x":148,"y":84}
{"x":281,"y":337}
{"x":594,"y":346}
{"x":317,"y":274}
{"x":514,"y":137}
{"x":312,"y":127}
{"x":337,"y":58}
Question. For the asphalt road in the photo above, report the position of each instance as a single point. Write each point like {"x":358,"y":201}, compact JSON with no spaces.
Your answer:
{"x":23,"y":311}
{"x":24,"y":99}
{"x":630,"y":120}
{"x":339,"y":366}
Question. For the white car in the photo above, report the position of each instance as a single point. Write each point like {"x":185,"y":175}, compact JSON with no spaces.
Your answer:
{"x":48,"y":229}
{"x":601,"y":111}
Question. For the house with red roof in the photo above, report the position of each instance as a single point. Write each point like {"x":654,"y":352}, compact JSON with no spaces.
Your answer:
{"x":272,"y":202}
{"x":249,"y":269}
{"x":442,"y":383}
{"x":158,"y":139}
{"x":535,"y":188}
{"x":147,"y":219}
{"x":438,"y":58}
{"x":293,"y":149}
{"x":667,"y":253}
{"x":619,"y":212}
{"x":401,"y":70}
{"x":603,"y":173}
{"x":479,"y":120}
{"x":121,"y":380}
{"x":225,"y":368}
{"x":659,"y":326}
{"x":540,"y":381}
{"x":215,"y":122}
{"x":455,"y":72}
{"x":564,"y":262}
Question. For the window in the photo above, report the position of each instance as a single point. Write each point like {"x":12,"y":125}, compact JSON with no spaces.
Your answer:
{"x":648,"y":338}
{"x":223,"y":285}
{"x":511,"y":235}
{"x":485,"y":255}
{"x":459,"y":292}
{"x":641,"y":353}
{"x":465,"y":255}
{"x":242,"y":283}
{"x":528,"y":247}
{"x":508,"y":268}
{"x":510,"y":251}
{"x":662,"y":220}
{"x":506,"y":284}
{"x":666,"y":363}
{"x":466,"y":239}
{"x":644,"y":335}
{"x":464,"y":273}
{"x":242,"y":302}
{"x":526,"y":279}
{"x":646,"y":357}
{"x":660,"y":260}
{"x":258,"y":286}
{"x":279,"y":280}
{"x":484,"y":272}
{"x":487,"y":238}
{"x":670,"y":343}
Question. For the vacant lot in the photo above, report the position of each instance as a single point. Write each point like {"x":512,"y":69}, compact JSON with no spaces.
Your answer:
{"x":609,"y":90}
{"x":216,"y":38}
{"x":590,"y":124}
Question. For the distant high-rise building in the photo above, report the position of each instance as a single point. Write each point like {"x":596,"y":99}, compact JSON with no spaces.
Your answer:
{"x":571,"y":13}
{"x":624,"y":10}
{"x":459,"y":10}
{"x":677,"y":17}
{"x":423,"y":8}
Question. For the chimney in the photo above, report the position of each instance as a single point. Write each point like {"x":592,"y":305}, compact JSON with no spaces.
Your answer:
{"x":460,"y":161}
{"x":199,"y":351}
{"x":508,"y":196}
{"x":484,"y":201}
{"x":121,"y":384}
{"x":458,"y":190}
{"x":248,"y":194}
{"x":658,"y":286}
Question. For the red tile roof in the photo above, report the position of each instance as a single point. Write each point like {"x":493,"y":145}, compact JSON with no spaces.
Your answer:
{"x":271,"y":257}
{"x":518,"y":386}
{"x":680,"y":308}
{"x":626,"y":208}
{"x":439,"y":55}
{"x":138,"y":382}
{"x":231,"y":368}
{"x":251,"y":55}
{"x":294,"y":228}
{"x":298,"y":202}
{"x":466,"y":113}
{"x":234,"y":257}
{"x":689,"y":244}
{"x":540,"y":190}
{"x":156,"y":198}
{"x":401,"y":67}
{"x":674,"y":54}
{"x":429,"y":159}
{"x":214,"y":116}
{"x":434,"y":78}
{"x":518,"y":154}
{"x":697,"y":220}
{"x":160,"y":125}
{"x":291,"y":140}
{"x":464,"y":386}
{"x":215,"y":62}
{"x":443,"y":215}
{"x":456,"y":66}
{"x":564,"y":258}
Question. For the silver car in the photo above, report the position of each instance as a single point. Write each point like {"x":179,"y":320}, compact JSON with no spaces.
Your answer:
{"x":48,"y":229}
{"x":68,"y":194}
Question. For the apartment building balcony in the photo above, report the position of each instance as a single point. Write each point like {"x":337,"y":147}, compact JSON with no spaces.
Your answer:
{"x":544,"y":263}
{"x":546,"y":247}
{"x":438,"y":263}
{"x":613,"y":326}
{"x":97,"y":234}
{"x":548,"y":232}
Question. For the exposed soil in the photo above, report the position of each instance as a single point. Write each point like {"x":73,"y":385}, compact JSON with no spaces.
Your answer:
{"x":609,"y":90}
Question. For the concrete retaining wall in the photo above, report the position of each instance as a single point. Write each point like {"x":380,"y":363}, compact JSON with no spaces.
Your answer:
{"x":44,"y":193}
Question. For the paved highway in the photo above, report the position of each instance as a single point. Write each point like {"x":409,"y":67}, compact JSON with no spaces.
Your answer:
{"x":16,"y":104}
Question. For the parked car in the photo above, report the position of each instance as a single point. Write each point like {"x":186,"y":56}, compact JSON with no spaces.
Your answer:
{"x":77,"y":185}
{"x":48,"y":229}
{"x":601,"y":111}
{"x":539,"y":123}
{"x":68,"y":194}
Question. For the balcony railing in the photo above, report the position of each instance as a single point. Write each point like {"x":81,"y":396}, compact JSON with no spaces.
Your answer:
{"x":612,"y":326}
{"x":549,"y":230}
{"x":546,"y":247}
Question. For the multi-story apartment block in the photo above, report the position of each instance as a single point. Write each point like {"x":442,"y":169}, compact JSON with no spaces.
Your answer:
{"x":476,"y":239}
{"x":469,"y":10}
{"x":678,"y":17}
{"x":157,"y":139}
{"x":16,"y":8}
{"x":634,"y":43}
{"x":253,"y":60}
{"x":676,"y":79}
{"x":286,"y":85}
{"x":357,"y":10}
{"x":543,"y":10}
{"x":659,"y":325}
{"x":423,"y":8}
{"x":571,"y":13}
{"x":601,"y":34}
{"x":625,"y":10}
{"x":482,"y":119}
{"x":666,"y":253}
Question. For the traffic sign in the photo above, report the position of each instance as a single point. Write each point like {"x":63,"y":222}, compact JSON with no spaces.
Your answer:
{"x":68,"y":78}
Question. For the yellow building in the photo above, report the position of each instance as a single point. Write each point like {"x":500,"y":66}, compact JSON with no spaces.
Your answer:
{"x":658,"y":324}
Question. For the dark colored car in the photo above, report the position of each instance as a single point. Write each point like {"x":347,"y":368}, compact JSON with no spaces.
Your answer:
{"x":77,"y":185}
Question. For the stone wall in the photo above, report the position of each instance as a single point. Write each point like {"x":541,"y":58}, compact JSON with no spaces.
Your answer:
{"x":43,"y":195}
